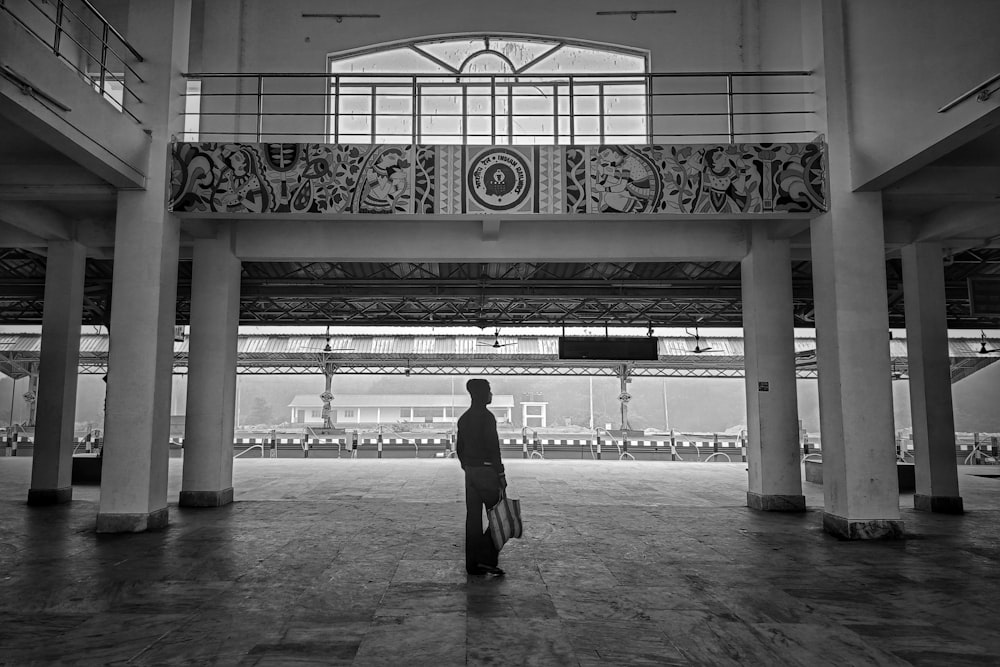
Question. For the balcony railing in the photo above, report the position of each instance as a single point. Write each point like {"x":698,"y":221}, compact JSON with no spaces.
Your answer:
{"x":81,"y":37}
{"x":500,"y":109}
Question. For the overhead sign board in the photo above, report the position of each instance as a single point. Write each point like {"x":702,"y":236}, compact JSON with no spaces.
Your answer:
{"x":607,"y":348}
{"x":984,"y":296}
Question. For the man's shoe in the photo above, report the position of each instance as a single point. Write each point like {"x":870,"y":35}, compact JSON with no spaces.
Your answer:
{"x":491,"y":569}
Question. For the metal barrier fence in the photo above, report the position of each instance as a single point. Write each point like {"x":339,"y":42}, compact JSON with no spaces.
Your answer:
{"x":495,"y":109}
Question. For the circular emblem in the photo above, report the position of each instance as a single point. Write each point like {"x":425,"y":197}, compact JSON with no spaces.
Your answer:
{"x":498,"y":179}
{"x":326,"y":397}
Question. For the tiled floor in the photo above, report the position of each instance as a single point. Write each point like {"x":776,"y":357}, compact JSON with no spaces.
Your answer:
{"x":329,"y":562}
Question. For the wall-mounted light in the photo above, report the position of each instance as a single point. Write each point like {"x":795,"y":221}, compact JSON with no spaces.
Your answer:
{"x":340,"y":17}
{"x":634,"y":13}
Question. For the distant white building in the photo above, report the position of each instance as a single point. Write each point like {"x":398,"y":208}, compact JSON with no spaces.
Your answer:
{"x":349,"y":409}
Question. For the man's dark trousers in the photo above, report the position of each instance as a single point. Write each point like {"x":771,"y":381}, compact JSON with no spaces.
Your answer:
{"x":482,"y":488}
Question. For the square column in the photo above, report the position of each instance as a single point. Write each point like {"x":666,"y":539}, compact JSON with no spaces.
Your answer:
{"x":144,"y":292}
{"x":860,"y":484}
{"x":211,"y":396}
{"x":775,"y":476}
{"x":52,"y":463}
{"x":930,"y":380}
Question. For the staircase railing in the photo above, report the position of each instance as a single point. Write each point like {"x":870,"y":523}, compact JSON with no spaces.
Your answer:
{"x":107,"y":55}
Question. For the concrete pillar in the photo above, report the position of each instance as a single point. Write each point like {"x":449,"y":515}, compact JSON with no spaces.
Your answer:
{"x":930,"y":380}
{"x":144,"y":292}
{"x":860,"y":484}
{"x":775,"y":477}
{"x":52,"y":464}
{"x":211,"y":394}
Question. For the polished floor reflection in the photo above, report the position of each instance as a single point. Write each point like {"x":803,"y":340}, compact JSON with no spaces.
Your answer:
{"x":359,"y":562}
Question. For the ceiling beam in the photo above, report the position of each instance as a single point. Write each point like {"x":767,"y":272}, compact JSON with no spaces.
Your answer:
{"x":635,"y":239}
{"x":36,"y":219}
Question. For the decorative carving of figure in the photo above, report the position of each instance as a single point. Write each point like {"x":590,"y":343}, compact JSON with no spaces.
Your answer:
{"x":384,"y":183}
{"x":723,"y":185}
{"x":623,"y":182}
{"x":240,"y":188}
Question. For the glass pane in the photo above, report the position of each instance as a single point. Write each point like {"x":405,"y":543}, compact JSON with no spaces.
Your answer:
{"x":441,"y":114}
{"x":502,"y":125}
{"x":533,"y":130}
{"x":586,"y":100}
{"x":394,"y":104}
{"x":192,"y":110}
{"x":382,"y":138}
{"x":574,"y":59}
{"x":625,"y":129}
{"x":398,"y":125}
{"x":397,"y":60}
{"x":588,"y":130}
{"x":478,"y":105}
{"x":479,"y":130}
{"x":355,"y":101}
{"x":564,"y":130}
{"x":498,"y":108}
{"x":624,"y":99}
{"x":487,"y":63}
{"x":520,"y":52}
{"x":356,"y":125}
{"x":453,"y":52}
{"x":533,"y":100}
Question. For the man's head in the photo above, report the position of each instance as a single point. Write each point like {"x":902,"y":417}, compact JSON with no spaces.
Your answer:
{"x":479,"y":390}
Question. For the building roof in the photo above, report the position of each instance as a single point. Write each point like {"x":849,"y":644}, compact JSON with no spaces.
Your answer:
{"x":396,"y":401}
{"x":302,"y":354}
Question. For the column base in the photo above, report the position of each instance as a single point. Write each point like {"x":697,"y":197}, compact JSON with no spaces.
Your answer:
{"x":50,"y":496}
{"x":872,"y":529}
{"x":942,"y":504}
{"x":206,"y":498}
{"x":775,"y":502}
{"x":132,"y":523}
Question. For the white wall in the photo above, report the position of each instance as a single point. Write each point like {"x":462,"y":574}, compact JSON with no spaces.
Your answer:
{"x":906,"y":59}
{"x":246,"y":36}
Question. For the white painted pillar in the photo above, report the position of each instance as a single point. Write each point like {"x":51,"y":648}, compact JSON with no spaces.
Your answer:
{"x":144,"y":292}
{"x":929,"y":363}
{"x":775,"y":477}
{"x":860,"y":484}
{"x":52,"y":464}
{"x":211,"y":392}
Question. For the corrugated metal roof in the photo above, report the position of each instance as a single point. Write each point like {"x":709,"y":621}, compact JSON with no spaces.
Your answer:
{"x":297,"y":353}
{"x":396,"y":401}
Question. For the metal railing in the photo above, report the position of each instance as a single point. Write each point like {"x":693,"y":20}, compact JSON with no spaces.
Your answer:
{"x":56,"y":23}
{"x":495,"y":109}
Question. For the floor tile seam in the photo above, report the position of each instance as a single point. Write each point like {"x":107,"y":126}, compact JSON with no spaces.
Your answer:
{"x":873,"y":649}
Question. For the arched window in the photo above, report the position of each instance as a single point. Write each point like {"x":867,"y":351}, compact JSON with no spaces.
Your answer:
{"x":495,"y":90}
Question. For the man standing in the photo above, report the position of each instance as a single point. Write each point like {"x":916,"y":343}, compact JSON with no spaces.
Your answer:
{"x":478,"y":450}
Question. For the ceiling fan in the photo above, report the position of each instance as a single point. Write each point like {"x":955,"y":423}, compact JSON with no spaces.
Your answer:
{"x":982,"y":345}
{"x":327,"y":347}
{"x":698,"y":349}
{"x":496,"y":344}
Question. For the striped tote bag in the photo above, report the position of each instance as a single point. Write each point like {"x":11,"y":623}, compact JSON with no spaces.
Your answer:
{"x":505,"y":520}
